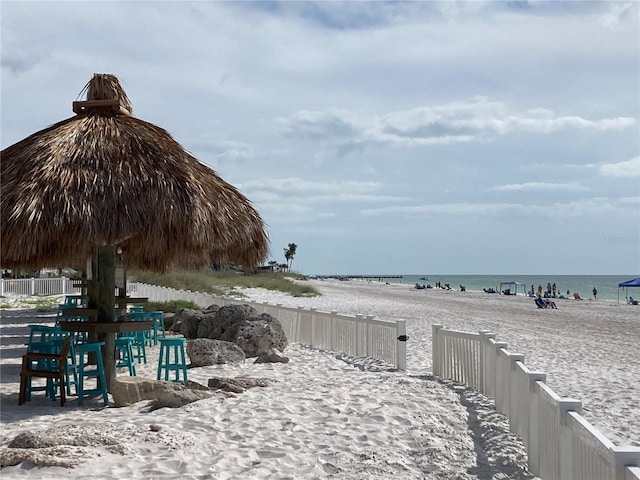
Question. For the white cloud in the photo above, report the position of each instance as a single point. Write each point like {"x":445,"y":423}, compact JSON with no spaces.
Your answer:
{"x":291,"y":185}
{"x":540,"y":186}
{"x":630,"y":200}
{"x":444,"y":208}
{"x":618,"y":13}
{"x":629,"y":168}
{"x":477,"y":119}
{"x":590,"y":207}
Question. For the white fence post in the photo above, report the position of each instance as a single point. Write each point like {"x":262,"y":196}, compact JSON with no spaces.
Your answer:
{"x":358,"y":337}
{"x":626,"y":457}
{"x":32,"y":286}
{"x":499,"y":393}
{"x":436,"y":365}
{"x":565,"y":456}
{"x":334,"y":336}
{"x":298,"y":323}
{"x":481,"y":354}
{"x":313,"y":324}
{"x":401,"y":330}
{"x":531,"y":443}
{"x":513,"y":394}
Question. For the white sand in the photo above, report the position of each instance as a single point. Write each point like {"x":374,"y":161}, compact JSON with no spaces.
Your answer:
{"x":325,"y":416}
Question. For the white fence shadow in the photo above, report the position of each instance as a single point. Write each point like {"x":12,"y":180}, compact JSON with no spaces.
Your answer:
{"x":560,"y":443}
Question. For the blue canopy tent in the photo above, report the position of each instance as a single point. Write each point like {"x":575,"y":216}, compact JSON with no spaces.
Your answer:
{"x":513,"y":287}
{"x":629,"y":283}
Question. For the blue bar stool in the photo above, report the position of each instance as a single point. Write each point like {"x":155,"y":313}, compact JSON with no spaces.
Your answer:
{"x":148,"y":334}
{"x":138,"y":345}
{"x":172,"y":358}
{"x":124,"y":351}
{"x":97,"y":372}
{"x":158,"y":324}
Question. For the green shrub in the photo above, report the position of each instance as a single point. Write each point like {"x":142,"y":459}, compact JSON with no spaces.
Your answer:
{"x":171,"y":306}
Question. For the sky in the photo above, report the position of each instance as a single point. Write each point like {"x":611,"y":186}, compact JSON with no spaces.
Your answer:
{"x":379,"y":137}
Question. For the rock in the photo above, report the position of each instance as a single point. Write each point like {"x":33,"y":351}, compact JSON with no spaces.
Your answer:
{"x":189,"y":321}
{"x":257,"y":335}
{"x":205,"y":351}
{"x":129,"y":390}
{"x":64,"y":446}
{"x":272,"y":356}
{"x":169,"y":324}
{"x":215,"y":325}
{"x":239,"y":324}
{"x":174,"y":398}
{"x":212,"y":308}
{"x":236,"y":385}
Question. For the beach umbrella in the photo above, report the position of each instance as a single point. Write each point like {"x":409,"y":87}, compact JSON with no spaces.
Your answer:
{"x":103,"y":183}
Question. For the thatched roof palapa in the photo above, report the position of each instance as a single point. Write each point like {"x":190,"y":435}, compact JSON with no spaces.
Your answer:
{"x":104,"y":177}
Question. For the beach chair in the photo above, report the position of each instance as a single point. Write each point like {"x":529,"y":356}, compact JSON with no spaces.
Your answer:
{"x":541,"y":303}
{"x":632,"y":301}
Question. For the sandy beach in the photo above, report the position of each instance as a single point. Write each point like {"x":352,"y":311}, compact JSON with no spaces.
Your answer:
{"x":327,"y":416}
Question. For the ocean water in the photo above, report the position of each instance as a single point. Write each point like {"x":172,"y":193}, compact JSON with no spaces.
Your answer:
{"x":607,"y":285}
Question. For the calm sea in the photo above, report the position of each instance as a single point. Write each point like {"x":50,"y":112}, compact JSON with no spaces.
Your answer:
{"x":607,"y":285}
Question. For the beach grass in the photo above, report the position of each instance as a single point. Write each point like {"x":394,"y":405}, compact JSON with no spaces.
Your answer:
{"x":171,"y":306}
{"x":227,"y":282}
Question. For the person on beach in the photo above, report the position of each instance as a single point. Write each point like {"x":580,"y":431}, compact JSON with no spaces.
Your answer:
{"x":539,"y":294}
{"x":595,"y":293}
{"x":545,"y":303}
{"x":553,"y":290}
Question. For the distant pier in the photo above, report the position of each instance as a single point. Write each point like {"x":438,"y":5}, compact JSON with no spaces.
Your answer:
{"x":359,"y":276}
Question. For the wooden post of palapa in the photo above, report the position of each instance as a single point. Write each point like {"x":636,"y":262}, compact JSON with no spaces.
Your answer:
{"x":105,"y":282}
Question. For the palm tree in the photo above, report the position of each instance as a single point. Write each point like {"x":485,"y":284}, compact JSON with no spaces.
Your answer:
{"x":289,"y":253}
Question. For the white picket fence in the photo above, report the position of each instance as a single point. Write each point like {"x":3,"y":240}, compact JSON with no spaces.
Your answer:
{"x":38,"y":286}
{"x":359,"y":336}
{"x":560,"y":443}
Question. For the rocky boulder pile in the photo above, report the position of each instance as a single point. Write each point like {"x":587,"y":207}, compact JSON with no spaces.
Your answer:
{"x":229,"y":334}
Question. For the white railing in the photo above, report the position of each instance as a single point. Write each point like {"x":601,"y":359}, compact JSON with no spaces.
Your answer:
{"x":38,"y":286}
{"x":560,"y":443}
{"x":356,"y":336}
